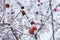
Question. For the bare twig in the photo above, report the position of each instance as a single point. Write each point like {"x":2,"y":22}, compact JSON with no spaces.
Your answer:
{"x":14,"y":33}
{"x":52,"y":18}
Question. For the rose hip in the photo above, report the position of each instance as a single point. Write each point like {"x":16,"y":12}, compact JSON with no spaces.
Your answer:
{"x":38,"y":0}
{"x":7,"y":5}
{"x":36,"y":12}
{"x":23,"y":12}
{"x":32,"y":22}
{"x":34,"y":28}
{"x":22,"y":7}
{"x":55,"y":9}
{"x":31,"y":31}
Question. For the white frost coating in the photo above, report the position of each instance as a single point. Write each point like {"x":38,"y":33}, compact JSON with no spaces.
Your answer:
{"x":16,"y":26}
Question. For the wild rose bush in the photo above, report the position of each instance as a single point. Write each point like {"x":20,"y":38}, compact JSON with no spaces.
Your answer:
{"x":29,"y":19}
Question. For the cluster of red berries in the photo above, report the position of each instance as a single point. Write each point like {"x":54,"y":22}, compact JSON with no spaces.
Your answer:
{"x":31,"y":31}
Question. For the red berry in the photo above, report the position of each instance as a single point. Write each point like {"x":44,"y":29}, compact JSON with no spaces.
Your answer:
{"x":38,"y":0}
{"x":7,"y":5}
{"x":55,"y":9}
{"x":34,"y":28}
{"x":36,"y":12}
{"x":23,"y":12}
{"x":32,"y":22}
{"x":22,"y":7}
{"x":31,"y":31}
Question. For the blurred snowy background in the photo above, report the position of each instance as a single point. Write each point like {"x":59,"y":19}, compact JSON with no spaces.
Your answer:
{"x":18,"y":18}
